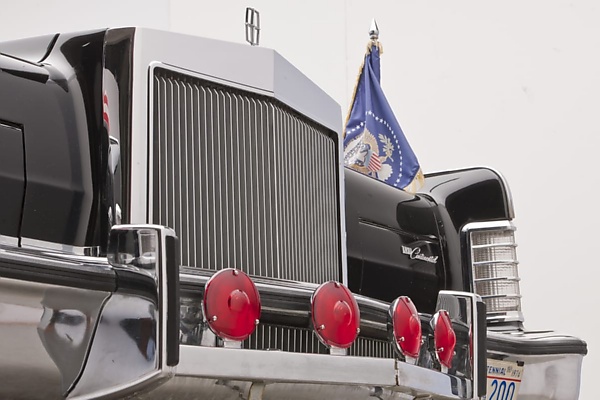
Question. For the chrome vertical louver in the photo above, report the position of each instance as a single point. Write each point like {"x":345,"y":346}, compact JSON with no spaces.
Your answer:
{"x":492,"y":258}
{"x":244,"y":181}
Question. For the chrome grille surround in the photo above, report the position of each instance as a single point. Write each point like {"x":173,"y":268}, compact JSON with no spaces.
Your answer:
{"x":492,"y":260}
{"x":241,"y":189}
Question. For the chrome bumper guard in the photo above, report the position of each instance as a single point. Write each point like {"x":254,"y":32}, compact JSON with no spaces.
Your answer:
{"x":146,"y":306}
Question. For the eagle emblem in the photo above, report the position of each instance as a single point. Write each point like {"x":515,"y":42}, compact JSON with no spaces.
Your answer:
{"x":364,"y":155}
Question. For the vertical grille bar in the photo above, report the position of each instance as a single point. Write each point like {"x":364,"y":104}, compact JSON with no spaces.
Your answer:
{"x":244,"y":181}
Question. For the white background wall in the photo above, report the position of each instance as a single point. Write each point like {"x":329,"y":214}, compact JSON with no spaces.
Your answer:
{"x":509,"y":84}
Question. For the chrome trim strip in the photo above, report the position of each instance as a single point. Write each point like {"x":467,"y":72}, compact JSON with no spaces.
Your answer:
{"x":495,"y":262}
{"x":489,"y":225}
{"x":40,"y":265}
{"x":500,"y":278}
{"x":91,"y":251}
{"x":501,"y":296}
{"x":509,"y":198}
{"x":51,"y":259}
{"x":9,"y":241}
{"x":249,"y":365}
{"x":489,"y":246}
{"x":505,"y":316}
{"x":509,"y":279}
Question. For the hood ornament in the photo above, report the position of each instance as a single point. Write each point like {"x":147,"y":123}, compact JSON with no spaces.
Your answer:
{"x":252,"y":26}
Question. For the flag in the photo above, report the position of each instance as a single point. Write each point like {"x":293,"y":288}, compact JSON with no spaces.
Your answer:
{"x":374,"y":143}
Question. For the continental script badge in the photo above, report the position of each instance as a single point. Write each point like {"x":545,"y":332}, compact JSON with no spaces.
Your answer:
{"x":415,"y":254}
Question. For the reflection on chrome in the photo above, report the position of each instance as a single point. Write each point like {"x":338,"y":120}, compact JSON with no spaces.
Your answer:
{"x":65,"y":329}
{"x":124,"y":347}
{"x":64,"y":326}
{"x":135,"y":249}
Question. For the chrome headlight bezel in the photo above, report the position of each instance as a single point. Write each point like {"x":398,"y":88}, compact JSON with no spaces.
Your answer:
{"x":493,"y":268}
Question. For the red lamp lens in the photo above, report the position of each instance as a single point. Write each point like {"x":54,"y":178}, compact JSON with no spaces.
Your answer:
{"x":444,"y":338}
{"x":231,"y":304}
{"x":335,"y":315}
{"x":406,"y":326}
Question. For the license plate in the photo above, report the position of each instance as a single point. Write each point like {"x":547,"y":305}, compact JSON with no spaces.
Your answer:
{"x":503,"y":380}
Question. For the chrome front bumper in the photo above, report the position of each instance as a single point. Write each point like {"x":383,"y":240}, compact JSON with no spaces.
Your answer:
{"x":552,"y":362}
{"x":221,"y":373}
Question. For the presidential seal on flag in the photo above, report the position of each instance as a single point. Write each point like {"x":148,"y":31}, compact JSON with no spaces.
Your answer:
{"x":374,"y":154}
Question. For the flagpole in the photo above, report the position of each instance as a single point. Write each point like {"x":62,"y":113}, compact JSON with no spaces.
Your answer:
{"x":373,"y":41}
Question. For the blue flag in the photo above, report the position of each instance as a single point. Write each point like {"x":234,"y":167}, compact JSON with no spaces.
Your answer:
{"x":374,"y":143}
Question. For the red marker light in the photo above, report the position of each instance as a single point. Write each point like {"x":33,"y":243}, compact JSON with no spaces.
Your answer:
{"x":444,"y":338}
{"x":335,"y":315}
{"x":231,"y":304}
{"x":406,"y":327}
{"x":105,"y":116}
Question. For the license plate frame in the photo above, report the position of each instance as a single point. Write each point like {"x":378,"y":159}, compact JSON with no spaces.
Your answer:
{"x":503,"y":379}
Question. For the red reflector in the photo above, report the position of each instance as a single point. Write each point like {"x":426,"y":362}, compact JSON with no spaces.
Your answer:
{"x":406,"y":326}
{"x":335,"y":315}
{"x":231,"y":304}
{"x":444,"y":338}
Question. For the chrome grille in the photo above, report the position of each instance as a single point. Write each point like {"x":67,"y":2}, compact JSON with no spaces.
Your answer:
{"x":297,"y":340}
{"x":244,"y":181}
{"x":274,"y":337}
{"x":365,"y":347}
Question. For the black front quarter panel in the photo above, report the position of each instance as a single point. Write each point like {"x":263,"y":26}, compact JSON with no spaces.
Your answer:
{"x":57,"y":102}
{"x":462,"y":197}
{"x":393,"y":245}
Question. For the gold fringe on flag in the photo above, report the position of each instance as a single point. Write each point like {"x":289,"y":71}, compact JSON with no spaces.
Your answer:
{"x":416,"y":184}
